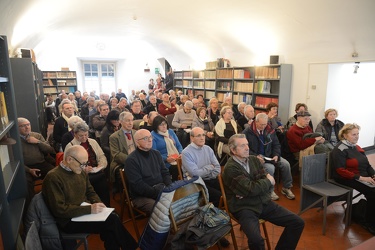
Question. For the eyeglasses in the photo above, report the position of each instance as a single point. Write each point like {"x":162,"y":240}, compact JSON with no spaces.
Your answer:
{"x":199,"y":136}
{"x":146,"y":138}
{"x":24,"y":125}
{"x":81,"y":165}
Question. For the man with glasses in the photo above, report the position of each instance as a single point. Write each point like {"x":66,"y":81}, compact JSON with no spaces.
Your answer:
{"x":264,"y":144}
{"x":66,"y":187}
{"x":36,"y":155}
{"x":145,"y":172}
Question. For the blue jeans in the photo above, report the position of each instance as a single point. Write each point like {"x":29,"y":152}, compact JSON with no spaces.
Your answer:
{"x":274,"y":214}
{"x":286,"y":175}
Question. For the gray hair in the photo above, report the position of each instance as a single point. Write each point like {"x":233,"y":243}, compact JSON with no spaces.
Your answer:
{"x":63,"y":102}
{"x":261,"y":116}
{"x":80,"y":126}
{"x":224,"y":109}
{"x":123,"y":98}
{"x":232,"y":141}
{"x":188,"y":104}
{"x":73,"y":120}
{"x":247,"y":107}
{"x":72,"y":151}
{"x":240,"y":104}
{"x":22,"y":120}
{"x":123,"y":115}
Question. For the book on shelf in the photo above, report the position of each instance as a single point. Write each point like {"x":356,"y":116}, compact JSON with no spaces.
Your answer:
{"x":186,"y":83}
{"x":246,"y":98}
{"x":241,"y":73}
{"x":211,"y":65}
{"x":263,"y":87}
{"x":4,"y":156}
{"x":188,"y":74}
{"x":4,"y":112}
{"x":210,"y":94}
{"x":198,"y":92}
{"x":224,"y":73}
{"x":177,"y":75}
{"x":209,"y":84}
{"x":224,"y":86}
{"x":210,"y":74}
{"x":243,"y":86}
{"x":198,"y":84}
{"x":201,"y":74}
{"x":267,"y":72}
{"x":262,"y":102}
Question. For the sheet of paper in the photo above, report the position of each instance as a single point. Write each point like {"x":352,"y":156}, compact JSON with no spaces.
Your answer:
{"x":96,"y":169}
{"x":94,"y":217}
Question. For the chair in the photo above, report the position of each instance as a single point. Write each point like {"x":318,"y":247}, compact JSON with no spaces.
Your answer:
{"x":179,"y":168}
{"x":169,"y":121}
{"x":196,"y":196}
{"x":127,"y":201}
{"x":80,"y":238}
{"x":136,"y":123}
{"x":224,"y":204}
{"x":317,"y":192}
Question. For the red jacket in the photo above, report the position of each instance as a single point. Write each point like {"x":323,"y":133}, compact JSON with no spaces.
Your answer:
{"x":295,"y":141}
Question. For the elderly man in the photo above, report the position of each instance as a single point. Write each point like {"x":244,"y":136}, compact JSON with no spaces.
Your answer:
{"x":152,"y":104}
{"x":123,"y":105}
{"x":136,"y":110}
{"x":147,"y":124}
{"x":87,"y":108}
{"x":264,"y":144}
{"x":247,"y":118}
{"x":241,"y":111}
{"x":66,"y":187}
{"x":35,"y":151}
{"x":121,"y":144}
{"x":145,"y":172}
{"x":247,"y":186}
{"x":61,"y":123}
{"x":199,"y":159}
{"x":182,"y":120}
{"x":166,"y":107}
{"x":98,"y":121}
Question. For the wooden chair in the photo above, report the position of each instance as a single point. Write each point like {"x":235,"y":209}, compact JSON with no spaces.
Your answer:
{"x":125,"y":200}
{"x":136,"y":123}
{"x":179,"y":168}
{"x":169,"y":121}
{"x":200,"y":199}
{"x":224,"y":204}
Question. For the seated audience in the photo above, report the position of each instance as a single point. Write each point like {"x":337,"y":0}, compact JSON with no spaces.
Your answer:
{"x":241,"y":112}
{"x":204,"y":122}
{"x":213,"y":110}
{"x":87,"y":109}
{"x":98,"y":121}
{"x":199,"y":159}
{"x":182,"y":101}
{"x":263,"y":143}
{"x":248,"y":117}
{"x":330,"y":127}
{"x":247,"y":186}
{"x":72,"y":99}
{"x":36,"y":155}
{"x":166,"y":107}
{"x":196,"y":103}
{"x":146,"y":173}
{"x":142,"y":98}
{"x":113,"y":103}
{"x":69,"y":136}
{"x":123,"y":105}
{"x":66,"y":187}
{"x":152,"y":105}
{"x":150,"y":119}
{"x":166,"y":142}
{"x":50,"y":109}
{"x":61,"y":123}
{"x":352,"y":168}
{"x":120,"y":95}
{"x":228,"y":100}
{"x":182,"y":121}
{"x":224,"y":129}
{"x":273,"y":119}
{"x":292,"y":120}
{"x":97,"y":161}
{"x":136,"y":110}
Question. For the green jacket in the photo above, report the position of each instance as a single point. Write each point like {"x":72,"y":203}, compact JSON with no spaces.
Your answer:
{"x":254,"y":188}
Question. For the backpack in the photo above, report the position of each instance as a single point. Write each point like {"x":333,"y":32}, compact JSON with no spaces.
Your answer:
{"x":359,"y":211}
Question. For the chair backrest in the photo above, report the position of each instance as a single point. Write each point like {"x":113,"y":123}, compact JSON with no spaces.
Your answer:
{"x":223,"y":199}
{"x":179,"y":168}
{"x":169,"y":121}
{"x":313,"y":169}
{"x":330,"y":167}
{"x":186,"y":199}
{"x":136,"y":123}
{"x":125,"y":186}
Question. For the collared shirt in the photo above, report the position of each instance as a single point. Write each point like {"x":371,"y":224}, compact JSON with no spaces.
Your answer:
{"x":65,"y":167}
{"x":244,"y":164}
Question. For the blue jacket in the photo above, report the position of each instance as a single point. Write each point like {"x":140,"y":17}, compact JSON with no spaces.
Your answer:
{"x":158,"y":143}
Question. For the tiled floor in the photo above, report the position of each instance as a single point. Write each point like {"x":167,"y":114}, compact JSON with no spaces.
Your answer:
{"x":337,"y":237}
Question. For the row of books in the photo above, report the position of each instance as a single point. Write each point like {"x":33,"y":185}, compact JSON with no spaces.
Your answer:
{"x":198,"y":84}
{"x":187,"y":74}
{"x":68,"y":82}
{"x":243,"y":86}
{"x":221,"y":96}
{"x":198,"y":92}
{"x":237,"y":98}
{"x":241,"y":73}
{"x":262,"y":87}
{"x":177,"y":75}
{"x":224,"y":73}
{"x":3,"y":111}
{"x":209,"y":84}
{"x":187,"y":83}
{"x":267,"y":72}
{"x":219,"y":63}
{"x":224,"y":86}
{"x":261,"y":102}
{"x":210,"y":94}
{"x":60,"y":74}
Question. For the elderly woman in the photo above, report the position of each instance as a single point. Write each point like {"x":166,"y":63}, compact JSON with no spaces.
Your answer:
{"x":273,"y":120}
{"x":166,"y":142}
{"x":96,"y":160}
{"x":330,"y":127}
{"x":224,"y":129}
{"x":213,"y":111}
{"x":204,"y":122}
{"x":352,"y":168}
{"x":69,"y":136}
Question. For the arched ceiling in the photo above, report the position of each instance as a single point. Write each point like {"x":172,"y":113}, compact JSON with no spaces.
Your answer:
{"x":184,"y":32}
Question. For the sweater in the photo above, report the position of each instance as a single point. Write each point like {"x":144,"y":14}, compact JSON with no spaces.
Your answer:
{"x":350,"y":162}
{"x":200,"y":161}
{"x":295,"y":141}
{"x":158,"y":143}
{"x":254,"y":188}
{"x":64,"y":191}
{"x":34,"y":153}
{"x":180,"y":117}
{"x":144,"y":171}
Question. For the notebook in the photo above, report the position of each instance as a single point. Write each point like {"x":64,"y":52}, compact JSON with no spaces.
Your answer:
{"x":367,"y":183}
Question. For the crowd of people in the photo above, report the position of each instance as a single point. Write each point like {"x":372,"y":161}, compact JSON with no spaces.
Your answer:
{"x":147,"y":132}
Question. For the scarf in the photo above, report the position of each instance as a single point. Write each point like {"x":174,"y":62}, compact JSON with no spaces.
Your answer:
{"x":349,"y":144}
{"x":66,"y":119}
{"x":169,"y":142}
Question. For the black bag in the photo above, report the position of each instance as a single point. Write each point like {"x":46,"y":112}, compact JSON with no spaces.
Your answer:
{"x":359,"y":211}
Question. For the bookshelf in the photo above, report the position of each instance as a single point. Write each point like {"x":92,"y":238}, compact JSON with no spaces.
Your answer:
{"x":12,"y":175}
{"x":28,"y":86}
{"x":255,"y":85}
{"x":55,"y":81}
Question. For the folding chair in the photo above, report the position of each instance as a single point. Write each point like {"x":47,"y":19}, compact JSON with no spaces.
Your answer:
{"x":125,"y":200}
{"x":224,"y":204}
{"x":317,"y":192}
{"x":179,"y":168}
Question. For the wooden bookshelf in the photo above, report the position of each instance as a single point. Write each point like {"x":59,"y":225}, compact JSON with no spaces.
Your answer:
{"x":255,"y":85}
{"x":55,"y":81}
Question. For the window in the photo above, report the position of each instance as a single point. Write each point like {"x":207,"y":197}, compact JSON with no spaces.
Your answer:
{"x":99,"y":77}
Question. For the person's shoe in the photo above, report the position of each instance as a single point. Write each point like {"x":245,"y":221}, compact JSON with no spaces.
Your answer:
{"x":224,"y":242}
{"x":274,"y":196}
{"x":288,"y":193}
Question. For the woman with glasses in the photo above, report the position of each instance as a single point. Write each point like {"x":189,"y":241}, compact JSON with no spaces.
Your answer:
{"x":167,"y":143}
{"x":204,"y":122}
{"x":96,"y":163}
{"x":224,"y":129}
